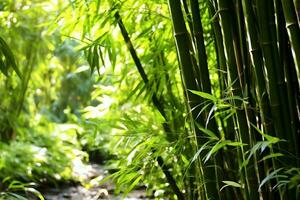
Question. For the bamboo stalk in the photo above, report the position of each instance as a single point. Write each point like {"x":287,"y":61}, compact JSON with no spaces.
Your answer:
{"x":279,"y":69}
{"x":156,"y":103}
{"x":234,"y":67}
{"x":297,"y":7}
{"x":287,"y":62}
{"x":266,"y":45}
{"x":257,"y":67}
{"x":222,"y":67}
{"x":201,"y":52}
{"x":257,"y":64}
{"x":293,"y":29}
{"x":187,"y":70}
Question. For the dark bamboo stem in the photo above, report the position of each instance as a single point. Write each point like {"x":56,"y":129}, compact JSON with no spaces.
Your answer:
{"x":155,"y":101}
{"x":187,"y":68}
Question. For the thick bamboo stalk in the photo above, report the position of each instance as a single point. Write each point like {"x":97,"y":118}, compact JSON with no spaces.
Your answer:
{"x":201,"y":52}
{"x":297,"y":7}
{"x":257,"y":64}
{"x":187,"y":70}
{"x":222,"y":67}
{"x":266,"y":45}
{"x":202,"y":59}
{"x":226,"y":23}
{"x":232,"y":56}
{"x":278,"y":66}
{"x":293,"y":29}
{"x":228,"y":125}
{"x":285,"y":54}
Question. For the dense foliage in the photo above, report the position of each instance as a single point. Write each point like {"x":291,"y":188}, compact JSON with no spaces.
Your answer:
{"x":192,"y":99}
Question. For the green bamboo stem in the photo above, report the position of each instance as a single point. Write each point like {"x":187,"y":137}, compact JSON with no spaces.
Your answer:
{"x":231,"y":64}
{"x":293,"y":29}
{"x":202,"y":58}
{"x":268,"y":53}
{"x":241,"y":47}
{"x":287,"y":62}
{"x":221,"y":60}
{"x":257,"y":64}
{"x":227,"y":126}
{"x":222,"y":67}
{"x":189,"y":18}
{"x":257,"y":67}
{"x":234,"y":68}
{"x":247,"y":83}
{"x":297,"y":7}
{"x":205,"y":81}
{"x":278,"y":66}
{"x":266,"y":45}
{"x":187,"y":70}
{"x":200,"y":46}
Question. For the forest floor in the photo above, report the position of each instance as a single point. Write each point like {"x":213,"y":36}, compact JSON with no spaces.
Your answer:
{"x":92,"y":190}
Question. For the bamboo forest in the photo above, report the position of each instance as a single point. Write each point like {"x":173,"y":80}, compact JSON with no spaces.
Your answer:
{"x":160,"y":99}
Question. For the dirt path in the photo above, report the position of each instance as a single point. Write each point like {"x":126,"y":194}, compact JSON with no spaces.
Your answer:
{"x":94,"y":192}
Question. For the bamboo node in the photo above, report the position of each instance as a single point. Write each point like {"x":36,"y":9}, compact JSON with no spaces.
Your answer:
{"x":290,"y":24}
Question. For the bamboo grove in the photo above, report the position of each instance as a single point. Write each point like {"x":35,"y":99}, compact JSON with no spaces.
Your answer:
{"x":257,"y":48}
{"x":216,"y":83}
{"x":239,"y":138}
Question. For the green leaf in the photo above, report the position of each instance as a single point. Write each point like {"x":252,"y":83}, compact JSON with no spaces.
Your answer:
{"x":232,"y":184}
{"x":35,"y":192}
{"x":272,"y":175}
{"x":9,"y":58}
{"x":273,"y":155}
{"x":134,"y":183}
{"x":184,"y":159}
{"x":208,"y":132}
{"x":271,"y":139}
{"x":16,"y":196}
{"x":3,"y":67}
{"x":220,"y":144}
{"x":205,"y":95}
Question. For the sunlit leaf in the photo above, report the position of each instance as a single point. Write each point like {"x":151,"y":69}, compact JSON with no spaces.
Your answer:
{"x":273,"y":155}
{"x":204,"y":95}
{"x":231,"y":183}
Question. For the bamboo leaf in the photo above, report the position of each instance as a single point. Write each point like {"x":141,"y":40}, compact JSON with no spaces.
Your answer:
{"x":204,"y":95}
{"x":270,"y":138}
{"x":35,"y":192}
{"x":272,"y":175}
{"x":232,"y":183}
{"x":199,"y":151}
{"x":134,"y":183}
{"x":220,"y":144}
{"x":273,"y":155}
{"x":208,"y":132}
{"x":9,"y":58}
{"x":14,"y":195}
